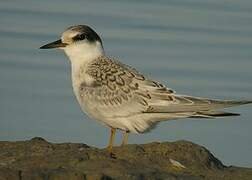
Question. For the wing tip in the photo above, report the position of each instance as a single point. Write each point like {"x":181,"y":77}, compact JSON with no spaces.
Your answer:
{"x":214,"y":114}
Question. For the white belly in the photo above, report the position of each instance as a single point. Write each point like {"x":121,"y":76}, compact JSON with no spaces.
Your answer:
{"x":114,"y":117}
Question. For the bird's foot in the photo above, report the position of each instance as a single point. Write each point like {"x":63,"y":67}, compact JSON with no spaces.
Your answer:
{"x":112,"y":155}
{"x":110,"y":152}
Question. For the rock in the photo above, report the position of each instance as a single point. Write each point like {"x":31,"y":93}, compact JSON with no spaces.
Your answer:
{"x":181,"y":160}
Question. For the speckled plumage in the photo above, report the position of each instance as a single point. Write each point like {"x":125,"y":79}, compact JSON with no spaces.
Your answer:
{"x":121,"y":97}
{"x":119,"y":91}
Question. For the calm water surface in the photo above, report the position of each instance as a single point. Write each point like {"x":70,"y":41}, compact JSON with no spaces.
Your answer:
{"x":196,"y":47}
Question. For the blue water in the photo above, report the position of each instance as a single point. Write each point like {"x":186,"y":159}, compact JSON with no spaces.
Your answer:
{"x":196,"y":47}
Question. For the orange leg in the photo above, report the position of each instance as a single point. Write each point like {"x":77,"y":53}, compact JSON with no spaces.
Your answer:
{"x":125,"y":138}
{"x":111,"y":140}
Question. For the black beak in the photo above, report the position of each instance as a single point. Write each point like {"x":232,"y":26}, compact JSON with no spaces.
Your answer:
{"x":55,"y":44}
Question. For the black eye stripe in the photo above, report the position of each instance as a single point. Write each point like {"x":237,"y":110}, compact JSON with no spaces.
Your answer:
{"x":79,"y":37}
{"x":86,"y":33}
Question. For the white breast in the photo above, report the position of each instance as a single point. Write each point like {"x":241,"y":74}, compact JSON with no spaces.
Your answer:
{"x":80,"y":55}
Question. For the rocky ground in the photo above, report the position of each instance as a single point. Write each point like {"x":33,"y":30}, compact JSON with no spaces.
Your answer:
{"x":41,"y":160}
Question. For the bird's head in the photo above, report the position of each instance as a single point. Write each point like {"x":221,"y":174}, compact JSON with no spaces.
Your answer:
{"x":78,"y":41}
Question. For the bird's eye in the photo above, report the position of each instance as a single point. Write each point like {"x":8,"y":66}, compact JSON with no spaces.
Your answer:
{"x":79,"y":37}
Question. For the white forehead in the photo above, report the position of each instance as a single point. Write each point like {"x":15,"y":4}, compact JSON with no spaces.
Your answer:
{"x":68,"y":35}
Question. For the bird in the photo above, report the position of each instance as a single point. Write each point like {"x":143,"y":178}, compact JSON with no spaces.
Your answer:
{"x":119,"y":96}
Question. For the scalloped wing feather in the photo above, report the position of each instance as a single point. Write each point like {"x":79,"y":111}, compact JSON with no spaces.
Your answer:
{"x":122,"y":97}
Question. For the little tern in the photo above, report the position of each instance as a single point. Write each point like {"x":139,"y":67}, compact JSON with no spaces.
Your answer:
{"x":119,"y":96}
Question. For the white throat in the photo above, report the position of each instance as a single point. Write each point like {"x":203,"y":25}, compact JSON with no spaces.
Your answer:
{"x":80,"y":55}
{"x":83,"y":53}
